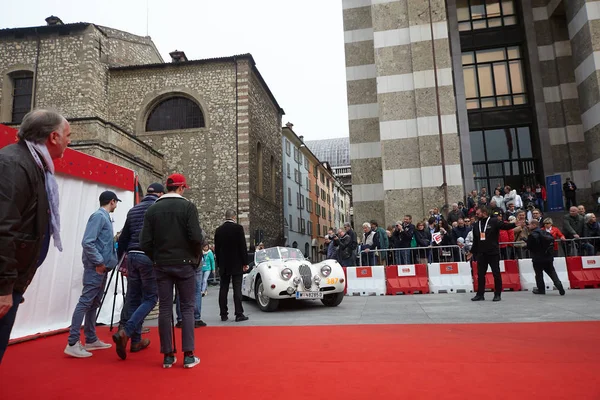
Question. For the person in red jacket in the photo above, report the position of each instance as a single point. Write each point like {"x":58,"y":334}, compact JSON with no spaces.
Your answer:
{"x":555,"y":232}
{"x":506,"y":240}
{"x":540,"y":196}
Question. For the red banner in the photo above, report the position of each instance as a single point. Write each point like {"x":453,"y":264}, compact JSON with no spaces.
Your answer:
{"x":364,"y":272}
{"x":448,"y":268}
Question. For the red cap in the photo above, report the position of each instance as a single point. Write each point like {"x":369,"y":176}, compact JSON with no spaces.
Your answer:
{"x":177,"y":180}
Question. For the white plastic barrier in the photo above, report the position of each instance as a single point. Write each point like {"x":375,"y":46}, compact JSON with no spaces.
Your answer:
{"x":452,"y":277}
{"x":527,"y":274}
{"x":365,"y":281}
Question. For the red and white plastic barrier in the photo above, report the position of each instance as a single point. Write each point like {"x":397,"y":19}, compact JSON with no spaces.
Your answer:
{"x":365,"y":281}
{"x":509,"y":270}
{"x":406,"y":279}
{"x":584,"y":272}
{"x":452,"y":277}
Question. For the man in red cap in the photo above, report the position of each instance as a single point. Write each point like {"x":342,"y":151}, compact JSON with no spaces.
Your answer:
{"x":172,"y":238}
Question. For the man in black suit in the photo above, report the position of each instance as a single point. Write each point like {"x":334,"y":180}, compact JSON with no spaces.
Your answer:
{"x":487,"y":251}
{"x":232,"y":253}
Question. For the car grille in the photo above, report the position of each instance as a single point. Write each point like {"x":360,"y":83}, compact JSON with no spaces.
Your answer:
{"x":305,"y":274}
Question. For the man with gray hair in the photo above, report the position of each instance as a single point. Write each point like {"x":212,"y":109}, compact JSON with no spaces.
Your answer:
{"x":29,"y":212}
{"x":232,"y":253}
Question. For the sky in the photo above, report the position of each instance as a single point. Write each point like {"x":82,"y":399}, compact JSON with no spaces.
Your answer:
{"x":298,"y":45}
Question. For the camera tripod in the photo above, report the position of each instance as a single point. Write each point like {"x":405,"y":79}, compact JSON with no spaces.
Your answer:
{"x":115,"y":271}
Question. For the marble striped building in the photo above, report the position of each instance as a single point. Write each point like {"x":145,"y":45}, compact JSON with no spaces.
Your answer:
{"x":513,"y":85}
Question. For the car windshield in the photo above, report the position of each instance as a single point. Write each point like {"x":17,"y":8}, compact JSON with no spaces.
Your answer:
{"x":278,"y":253}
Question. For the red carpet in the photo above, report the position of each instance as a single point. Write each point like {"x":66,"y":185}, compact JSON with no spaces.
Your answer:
{"x":508,"y":361}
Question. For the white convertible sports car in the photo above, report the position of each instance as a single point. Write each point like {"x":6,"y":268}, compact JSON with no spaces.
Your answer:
{"x":283,"y":273}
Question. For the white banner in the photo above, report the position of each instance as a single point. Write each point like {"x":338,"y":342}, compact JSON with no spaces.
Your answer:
{"x":406,"y":270}
{"x":590,"y":262}
{"x":55,"y":290}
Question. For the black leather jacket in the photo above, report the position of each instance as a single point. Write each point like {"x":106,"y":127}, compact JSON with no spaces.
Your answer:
{"x":24,"y":218}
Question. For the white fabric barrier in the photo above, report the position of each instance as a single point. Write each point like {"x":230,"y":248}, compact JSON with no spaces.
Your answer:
{"x":452,"y":277}
{"x":365,"y":281}
{"x":55,"y":290}
{"x":527,"y":274}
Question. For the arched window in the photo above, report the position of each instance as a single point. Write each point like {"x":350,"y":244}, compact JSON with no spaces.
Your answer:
{"x":259,"y":166}
{"x":175,"y":113}
{"x":22,"y":94}
{"x":273,"y":179}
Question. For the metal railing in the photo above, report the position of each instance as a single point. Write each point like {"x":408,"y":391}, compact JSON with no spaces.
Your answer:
{"x":411,"y":255}
{"x":586,"y":246}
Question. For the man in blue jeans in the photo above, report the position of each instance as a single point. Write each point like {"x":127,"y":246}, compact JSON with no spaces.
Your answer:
{"x":142,"y":291}
{"x":99,"y":256}
{"x":198,"y":323}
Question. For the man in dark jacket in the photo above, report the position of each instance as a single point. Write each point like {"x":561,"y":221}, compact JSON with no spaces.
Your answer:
{"x":573,"y":228}
{"x":404,"y":233}
{"x":541,"y":245}
{"x":591,"y":229}
{"x":28,"y":208}
{"x":232,"y":252}
{"x":486,"y":248}
{"x":172,"y":238}
{"x":570,"y":190}
{"x":142,"y":293}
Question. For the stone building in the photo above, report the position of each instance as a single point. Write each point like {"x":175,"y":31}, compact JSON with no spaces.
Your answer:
{"x":215,"y":120}
{"x":445,"y":96}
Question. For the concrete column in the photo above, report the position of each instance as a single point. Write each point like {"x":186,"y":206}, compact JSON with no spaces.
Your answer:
{"x":583,"y":19}
{"x":363,"y":112}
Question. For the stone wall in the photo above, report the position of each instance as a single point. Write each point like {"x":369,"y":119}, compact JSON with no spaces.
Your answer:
{"x":206,"y":156}
{"x":72,"y":77}
{"x":111,"y":144}
{"x":266,"y":208}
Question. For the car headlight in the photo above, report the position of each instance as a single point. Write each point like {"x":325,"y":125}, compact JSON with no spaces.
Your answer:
{"x":317,"y":279}
{"x":286,"y":274}
{"x":297,"y":280}
{"x":326,"y":270}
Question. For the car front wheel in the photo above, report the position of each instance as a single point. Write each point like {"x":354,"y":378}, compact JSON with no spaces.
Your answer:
{"x":333,"y":300}
{"x":265,"y":303}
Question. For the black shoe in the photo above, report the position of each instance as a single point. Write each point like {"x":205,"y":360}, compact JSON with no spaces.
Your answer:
{"x":224,"y":318}
{"x":561,"y":290}
{"x":199,"y":324}
{"x":179,"y":324}
{"x":241,"y":318}
{"x":537,"y":291}
{"x":497,"y":297}
{"x":478,"y":298}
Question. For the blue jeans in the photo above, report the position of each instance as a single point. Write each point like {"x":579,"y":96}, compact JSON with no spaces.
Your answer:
{"x":540,"y":203}
{"x":142,"y":293}
{"x":7,"y":322}
{"x":205,"y":275}
{"x":198,"y":303}
{"x":403,"y":257}
{"x":87,"y":307}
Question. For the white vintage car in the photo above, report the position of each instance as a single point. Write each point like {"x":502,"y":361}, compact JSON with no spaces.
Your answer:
{"x":283,"y":273}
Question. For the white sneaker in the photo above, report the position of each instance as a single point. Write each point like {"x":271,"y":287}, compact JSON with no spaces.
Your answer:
{"x":77,"y":351}
{"x":97,"y":345}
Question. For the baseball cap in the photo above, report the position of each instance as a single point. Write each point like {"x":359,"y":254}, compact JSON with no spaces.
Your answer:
{"x":177,"y":180}
{"x":108,"y":196}
{"x":155,"y":188}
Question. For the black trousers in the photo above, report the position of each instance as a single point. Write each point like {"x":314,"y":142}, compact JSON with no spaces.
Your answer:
{"x":483,"y":260}
{"x":547,"y":267}
{"x":237,"y":294}
{"x":184,"y":278}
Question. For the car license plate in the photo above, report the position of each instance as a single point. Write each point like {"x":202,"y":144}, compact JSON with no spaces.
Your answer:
{"x":309,"y":295}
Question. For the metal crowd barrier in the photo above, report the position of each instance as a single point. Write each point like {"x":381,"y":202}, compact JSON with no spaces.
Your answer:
{"x":411,"y":255}
{"x":587,"y":246}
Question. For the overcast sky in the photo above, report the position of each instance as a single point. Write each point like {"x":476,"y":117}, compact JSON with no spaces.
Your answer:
{"x":298,"y":46}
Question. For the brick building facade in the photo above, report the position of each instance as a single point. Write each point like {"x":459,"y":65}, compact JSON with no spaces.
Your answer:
{"x":214,"y":120}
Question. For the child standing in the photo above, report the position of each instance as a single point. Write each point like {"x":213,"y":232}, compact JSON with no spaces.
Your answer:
{"x":207,"y":268}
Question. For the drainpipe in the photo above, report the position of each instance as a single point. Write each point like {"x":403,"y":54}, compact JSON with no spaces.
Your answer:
{"x":439,"y":111}
{"x":237,"y":152}
{"x":35,"y":74}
